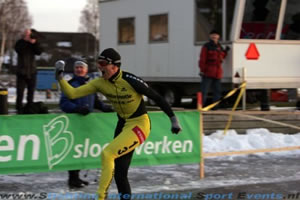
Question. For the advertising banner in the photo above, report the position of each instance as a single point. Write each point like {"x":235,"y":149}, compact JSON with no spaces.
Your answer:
{"x":53,"y":142}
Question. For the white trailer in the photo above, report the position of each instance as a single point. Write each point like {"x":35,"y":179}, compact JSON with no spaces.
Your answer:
{"x":160,"y":41}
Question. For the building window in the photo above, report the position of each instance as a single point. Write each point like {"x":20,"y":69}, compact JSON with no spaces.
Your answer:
{"x":126,"y":31}
{"x":291,"y":24}
{"x":209,"y":15}
{"x":260,"y":19}
{"x":158,"y":26}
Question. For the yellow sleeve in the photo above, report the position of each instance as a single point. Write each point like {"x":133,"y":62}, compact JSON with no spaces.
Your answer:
{"x":74,"y":93}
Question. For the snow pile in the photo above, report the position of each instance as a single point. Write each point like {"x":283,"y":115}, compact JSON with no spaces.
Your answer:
{"x":253,"y":139}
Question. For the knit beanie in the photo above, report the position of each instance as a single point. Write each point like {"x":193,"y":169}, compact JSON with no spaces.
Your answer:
{"x":214,"y":32}
{"x":111,"y":56}
{"x":80,"y":63}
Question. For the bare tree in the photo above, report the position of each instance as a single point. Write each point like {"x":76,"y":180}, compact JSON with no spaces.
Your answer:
{"x":14,"y":20}
{"x":89,"y":20}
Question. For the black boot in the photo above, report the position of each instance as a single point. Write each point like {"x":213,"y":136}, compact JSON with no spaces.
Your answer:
{"x":84,"y":182}
{"x":74,"y":180}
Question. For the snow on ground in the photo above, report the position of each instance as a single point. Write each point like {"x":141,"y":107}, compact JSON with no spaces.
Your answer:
{"x":253,"y":139}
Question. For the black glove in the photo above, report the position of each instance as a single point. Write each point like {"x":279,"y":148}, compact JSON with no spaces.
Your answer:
{"x":83,"y":110}
{"x":227,"y":48}
{"x":107,"y":108}
{"x":59,"y":69}
{"x":176,"y":127}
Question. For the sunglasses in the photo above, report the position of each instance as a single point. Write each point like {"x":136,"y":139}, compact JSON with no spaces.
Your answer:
{"x":103,"y":63}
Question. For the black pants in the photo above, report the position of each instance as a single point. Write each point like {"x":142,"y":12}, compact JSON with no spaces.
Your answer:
{"x":206,"y":84}
{"x":74,"y":174}
{"x":122,"y":165}
{"x":22,"y":82}
{"x":264,"y":98}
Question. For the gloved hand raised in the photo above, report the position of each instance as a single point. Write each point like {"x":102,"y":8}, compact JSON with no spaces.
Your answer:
{"x":227,"y":48}
{"x":59,"y":69}
{"x":83,"y":110}
{"x":176,"y":127}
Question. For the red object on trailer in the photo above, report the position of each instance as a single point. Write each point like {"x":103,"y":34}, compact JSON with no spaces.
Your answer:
{"x":252,"y":52}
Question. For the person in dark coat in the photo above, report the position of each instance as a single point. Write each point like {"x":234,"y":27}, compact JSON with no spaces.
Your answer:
{"x":83,"y":106}
{"x":210,"y":64}
{"x":26,"y":48}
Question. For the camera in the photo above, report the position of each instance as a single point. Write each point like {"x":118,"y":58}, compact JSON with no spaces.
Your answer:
{"x":227,"y":48}
{"x":34,"y":34}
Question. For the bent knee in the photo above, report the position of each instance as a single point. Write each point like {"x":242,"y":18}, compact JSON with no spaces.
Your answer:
{"x":107,"y":154}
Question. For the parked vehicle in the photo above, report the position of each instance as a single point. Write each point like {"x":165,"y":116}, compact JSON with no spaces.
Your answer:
{"x":160,"y":40}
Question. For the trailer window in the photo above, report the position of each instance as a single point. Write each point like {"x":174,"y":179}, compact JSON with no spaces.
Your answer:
{"x":291,"y":25}
{"x":209,"y":16}
{"x":260,"y":19}
{"x":158,"y":27}
{"x":126,"y":31}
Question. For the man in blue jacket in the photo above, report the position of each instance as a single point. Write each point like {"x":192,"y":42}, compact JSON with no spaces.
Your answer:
{"x":83,"y":106}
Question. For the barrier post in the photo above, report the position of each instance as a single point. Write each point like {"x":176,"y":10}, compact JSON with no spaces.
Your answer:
{"x":244,"y":96}
{"x":3,"y":101}
{"x":199,"y":108}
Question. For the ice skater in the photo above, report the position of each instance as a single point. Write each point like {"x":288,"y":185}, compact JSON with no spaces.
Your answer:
{"x":125,"y":91}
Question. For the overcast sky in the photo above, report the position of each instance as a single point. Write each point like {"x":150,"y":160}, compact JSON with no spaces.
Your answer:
{"x":56,"y":15}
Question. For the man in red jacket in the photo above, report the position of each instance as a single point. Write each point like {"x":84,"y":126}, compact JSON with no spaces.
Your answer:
{"x":210,"y":64}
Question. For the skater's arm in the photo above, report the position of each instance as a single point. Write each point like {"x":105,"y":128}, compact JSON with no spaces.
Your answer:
{"x":67,"y":89}
{"x":141,"y":87}
{"x":74,"y":93}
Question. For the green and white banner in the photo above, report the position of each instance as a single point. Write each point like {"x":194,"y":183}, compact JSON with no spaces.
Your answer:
{"x":52,"y":142}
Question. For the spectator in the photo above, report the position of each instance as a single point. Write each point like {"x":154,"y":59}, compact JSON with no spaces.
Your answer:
{"x":83,"y":106}
{"x":26,"y":48}
{"x":210,"y":64}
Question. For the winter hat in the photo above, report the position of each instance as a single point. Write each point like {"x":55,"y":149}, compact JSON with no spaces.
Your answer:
{"x":214,"y":32}
{"x":111,"y":56}
{"x":80,"y":63}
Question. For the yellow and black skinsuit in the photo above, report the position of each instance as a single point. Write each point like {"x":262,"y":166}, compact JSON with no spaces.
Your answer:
{"x":125,"y":91}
